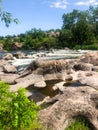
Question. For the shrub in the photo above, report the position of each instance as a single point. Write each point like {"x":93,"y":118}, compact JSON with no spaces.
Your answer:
{"x":17,"y":112}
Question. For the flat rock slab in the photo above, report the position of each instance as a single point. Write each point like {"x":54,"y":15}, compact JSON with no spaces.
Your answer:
{"x":27,"y":81}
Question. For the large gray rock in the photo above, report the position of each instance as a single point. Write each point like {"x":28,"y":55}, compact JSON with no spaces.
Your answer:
{"x":74,"y":102}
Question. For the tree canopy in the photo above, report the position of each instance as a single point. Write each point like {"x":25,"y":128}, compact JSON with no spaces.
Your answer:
{"x":82,"y":27}
{"x":79,"y":30}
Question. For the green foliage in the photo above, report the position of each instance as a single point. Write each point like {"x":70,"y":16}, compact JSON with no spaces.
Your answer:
{"x":36,"y":39}
{"x":49,"y":42}
{"x":7,"y":17}
{"x":65,"y":39}
{"x":87,"y":47}
{"x":17,"y":112}
{"x":7,"y":43}
{"x":79,"y":124}
{"x":83,"y":26}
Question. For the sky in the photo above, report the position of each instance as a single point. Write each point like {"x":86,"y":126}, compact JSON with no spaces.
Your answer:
{"x":39,"y":14}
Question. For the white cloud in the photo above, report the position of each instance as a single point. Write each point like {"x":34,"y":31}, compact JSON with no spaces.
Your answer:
{"x":62,"y":4}
{"x":87,"y":3}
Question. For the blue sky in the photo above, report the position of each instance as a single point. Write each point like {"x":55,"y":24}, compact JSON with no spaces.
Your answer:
{"x":43,"y":14}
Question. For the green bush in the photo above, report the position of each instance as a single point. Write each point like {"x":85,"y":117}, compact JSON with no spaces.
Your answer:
{"x":17,"y":112}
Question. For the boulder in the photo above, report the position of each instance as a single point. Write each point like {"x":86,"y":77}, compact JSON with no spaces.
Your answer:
{"x":73,"y":103}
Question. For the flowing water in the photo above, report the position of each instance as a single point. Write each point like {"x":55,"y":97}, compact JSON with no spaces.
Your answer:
{"x":44,"y":55}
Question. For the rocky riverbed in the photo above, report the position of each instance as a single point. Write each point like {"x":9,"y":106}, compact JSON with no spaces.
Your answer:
{"x":64,"y":88}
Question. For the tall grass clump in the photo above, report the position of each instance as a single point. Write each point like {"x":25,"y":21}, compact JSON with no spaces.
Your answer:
{"x":78,"y":124}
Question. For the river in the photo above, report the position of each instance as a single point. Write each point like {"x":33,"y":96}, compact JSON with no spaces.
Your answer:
{"x":44,"y":55}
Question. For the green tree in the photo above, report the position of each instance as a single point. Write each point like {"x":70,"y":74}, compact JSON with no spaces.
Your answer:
{"x":65,"y":39}
{"x":80,"y":27}
{"x":49,"y":42}
{"x":17,"y":112}
{"x":71,"y":19}
{"x":83,"y":33}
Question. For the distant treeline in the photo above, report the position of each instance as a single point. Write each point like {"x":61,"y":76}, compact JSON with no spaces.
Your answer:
{"x":79,"y":31}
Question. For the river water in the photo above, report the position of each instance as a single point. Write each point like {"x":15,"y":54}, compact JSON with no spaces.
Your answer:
{"x":44,"y":55}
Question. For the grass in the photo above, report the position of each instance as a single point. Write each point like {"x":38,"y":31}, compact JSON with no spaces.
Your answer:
{"x":79,"y":124}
